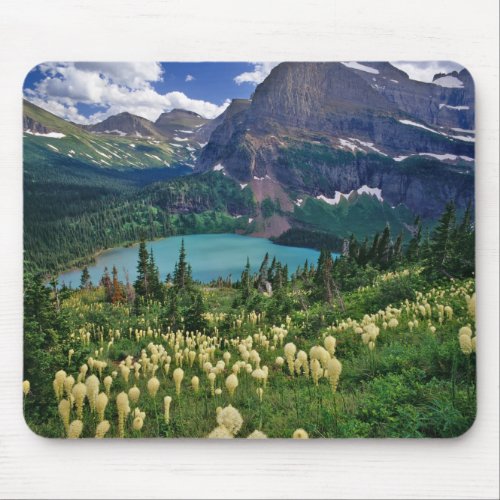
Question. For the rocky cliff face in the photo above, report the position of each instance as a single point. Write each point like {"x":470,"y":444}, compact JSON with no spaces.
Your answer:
{"x":34,"y":126}
{"x":321,"y":128}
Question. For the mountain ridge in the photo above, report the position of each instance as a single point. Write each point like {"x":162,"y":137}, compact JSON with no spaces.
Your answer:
{"x":319,"y":128}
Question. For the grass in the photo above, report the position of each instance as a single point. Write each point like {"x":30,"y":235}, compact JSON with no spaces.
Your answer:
{"x":413,"y":384}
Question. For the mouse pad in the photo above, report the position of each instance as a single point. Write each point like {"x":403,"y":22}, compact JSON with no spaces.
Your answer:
{"x":249,"y":250}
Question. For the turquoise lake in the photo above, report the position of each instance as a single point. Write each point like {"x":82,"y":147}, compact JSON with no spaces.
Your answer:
{"x":210,"y":255}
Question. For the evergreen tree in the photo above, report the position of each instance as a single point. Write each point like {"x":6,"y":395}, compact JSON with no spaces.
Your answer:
{"x":173,"y":314}
{"x":129,"y":289}
{"x":85,"y":282}
{"x":384,"y":247}
{"x":353,"y":248}
{"x":155,"y":286}
{"x":117,"y":288}
{"x":246,"y":282}
{"x":442,"y":242}
{"x":141,"y":284}
{"x":462,"y":256}
{"x":324,"y":278}
{"x":284,"y":274}
{"x":372,"y":254}
{"x":271,"y":271}
{"x":107,"y":284}
{"x":277,"y":277}
{"x":194,"y":314}
{"x":363,"y":253}
{"x":46,"y":340}
{"x":413,"y":252}
{"x":181,"y":272}
{"x":262,"y":275}
{"x":397,"y":251}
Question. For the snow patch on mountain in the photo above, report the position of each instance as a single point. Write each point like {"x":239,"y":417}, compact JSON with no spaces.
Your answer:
{"x":369,"y":145}
{"x":447,"y":156}
{"x":121,"y":133}
{"x":377,"y":192}
{"x":361,"y":67}
{"x":440,"y":157}
{"x":349,"y":144}
{"x":52,"y":135}
{"x":457,"y":108}
{"x":415,"y":124}
{"x":218,"y":167}
{"x":464,"y":138}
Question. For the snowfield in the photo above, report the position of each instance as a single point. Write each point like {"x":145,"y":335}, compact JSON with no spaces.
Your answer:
{"x":361,"y":67}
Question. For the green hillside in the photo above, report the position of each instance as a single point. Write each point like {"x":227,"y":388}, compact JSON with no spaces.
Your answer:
{"x":106,"y":151}
{"x":361,"y":215}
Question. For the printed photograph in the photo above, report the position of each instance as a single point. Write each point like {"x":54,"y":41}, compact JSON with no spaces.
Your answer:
{"x":249,"y":250}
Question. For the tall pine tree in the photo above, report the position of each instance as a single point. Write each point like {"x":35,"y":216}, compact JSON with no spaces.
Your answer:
{"x":141,"y":284}
{"x":442,"y":242}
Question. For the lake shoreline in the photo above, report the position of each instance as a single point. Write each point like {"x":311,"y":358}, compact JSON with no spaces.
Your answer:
{"x":211,"y":255}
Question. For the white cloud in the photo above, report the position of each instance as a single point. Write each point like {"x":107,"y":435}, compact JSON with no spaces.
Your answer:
{"x":258,"y":75}
{"x":133,"y":75}
{"x":424,"y":71}
{"x":189,"y":78}
{"x":116,"y":87}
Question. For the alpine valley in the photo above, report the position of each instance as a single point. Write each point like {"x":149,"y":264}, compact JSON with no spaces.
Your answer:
{"x":320,"y":152}
{"x":299,"y":265}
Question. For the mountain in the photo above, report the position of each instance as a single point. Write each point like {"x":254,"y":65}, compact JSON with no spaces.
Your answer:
{"x":321,"y":151}
{"x":183,"y":132}
{"x":179,"y":122}
{"x":319,"y":131}
{"x":49,"y":139}
{"x":124,"y":124}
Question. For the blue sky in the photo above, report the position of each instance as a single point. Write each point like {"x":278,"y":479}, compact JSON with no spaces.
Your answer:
{"x":88,"y":92}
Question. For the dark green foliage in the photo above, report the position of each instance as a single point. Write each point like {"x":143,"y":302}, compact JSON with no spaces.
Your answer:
{"x":193,"y":314}
{"x":85,"y":278}
{"x":147,"y":284}
{"x":74,"y":211}
{"x":262,"y":275}
{"x":413,"y":251}
{"x":246,"y":282}
{"x":325,"y":285}
{"x":298,"y":237}
{"x":450,"y":249}
{"x":182,"y":273}
{"x":361,"y":215}
{"x":269,"y":207}
{"x":46,"y":340}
